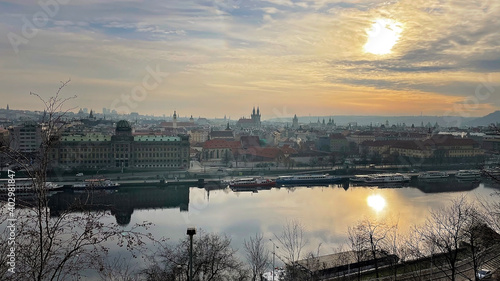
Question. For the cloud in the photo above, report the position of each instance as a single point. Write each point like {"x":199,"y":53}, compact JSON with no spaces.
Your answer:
{"x":274,"y":51}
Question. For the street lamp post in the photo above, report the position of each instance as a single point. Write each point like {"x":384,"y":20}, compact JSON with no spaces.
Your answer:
{"x":191,"y":231}
{"x":274,"y":254}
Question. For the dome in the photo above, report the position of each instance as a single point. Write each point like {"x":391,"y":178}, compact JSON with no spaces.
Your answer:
{"x":123,"y":126}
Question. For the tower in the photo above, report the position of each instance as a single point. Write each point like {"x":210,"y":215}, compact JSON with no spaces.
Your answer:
{"x":174,"y":122}
{"x":295,"y":122}
{"x":256,"y":117}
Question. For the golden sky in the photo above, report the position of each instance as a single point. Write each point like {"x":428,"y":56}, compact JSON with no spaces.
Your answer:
{"x":222,"y":57}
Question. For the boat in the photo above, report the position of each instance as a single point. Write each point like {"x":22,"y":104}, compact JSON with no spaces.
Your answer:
{"x":468,"y":174}
{"x":359,"y":178}
{"x":95,"y":184}
{"x":387,"y":178}
{"x":307,"y":179}
{"x":25,"y":185}
{"x":492,"y":172}
{"x":433,"y":175}
{"x":251,"y":182}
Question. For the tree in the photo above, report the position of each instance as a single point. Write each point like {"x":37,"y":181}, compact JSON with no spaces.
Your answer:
{"x":480,"y":239}
{"x":358,"y":244}
{"x":371,"y":236}
{"x":59,"y":247}
{"x":257,"y":256}
{"x":292,"y":242}
{"x":213,"y":259}
{"x":444,"y":230}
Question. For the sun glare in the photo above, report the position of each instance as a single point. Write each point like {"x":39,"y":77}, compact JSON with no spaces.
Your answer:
{"x":382,"y":36}
{"x":376,"y":202}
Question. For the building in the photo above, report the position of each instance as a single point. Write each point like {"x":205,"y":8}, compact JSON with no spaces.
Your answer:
{"x":341,"y":264}
{"x":198,"y":135}
{"x":226,"y":134}
{"x":26,"y":137}
{"x":295,"y":122}
{"x":361,"y":136}
{"x":253,"y":122}
{"x":220,"y":150}
{"x":443,"y":147}
{"x":338,"y":143}
{"x":121,"y":150}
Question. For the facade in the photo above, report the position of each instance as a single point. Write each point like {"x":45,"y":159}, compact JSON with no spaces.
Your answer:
{"x":198,"y":136}
{"x":360,"y":137}
{"x":25,"y":138}
{"x":253,"y":122}
{"x":441,"y":147}
{"x":338,"y":143}
{"x":227,"y":134}
{"x":220,"y":150}
{"x":94,"y":151}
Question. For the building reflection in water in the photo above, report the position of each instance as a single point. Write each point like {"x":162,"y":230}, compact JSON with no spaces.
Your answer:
{"x":122,"y":203}
{"x":446,"y":185}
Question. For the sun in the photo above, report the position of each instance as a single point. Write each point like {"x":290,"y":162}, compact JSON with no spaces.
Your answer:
{"x":376,"y":202}
{"x":382,"y":36}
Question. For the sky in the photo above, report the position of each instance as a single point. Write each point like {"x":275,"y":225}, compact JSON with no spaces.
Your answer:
{"x":212,"y":58}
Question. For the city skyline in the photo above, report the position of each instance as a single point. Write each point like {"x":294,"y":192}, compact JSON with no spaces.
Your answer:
{"x":320,"y":57}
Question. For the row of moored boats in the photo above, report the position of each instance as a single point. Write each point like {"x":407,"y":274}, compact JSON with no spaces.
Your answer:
{"x":372,"y":179}
{"x":25,"y":185}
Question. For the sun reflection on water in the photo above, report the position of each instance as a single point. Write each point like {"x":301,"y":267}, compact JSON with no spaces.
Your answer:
{"x":376,"y":202}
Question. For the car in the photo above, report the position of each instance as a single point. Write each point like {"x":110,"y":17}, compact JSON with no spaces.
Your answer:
{"x":79,"y":175}
{"x":483,"y":274}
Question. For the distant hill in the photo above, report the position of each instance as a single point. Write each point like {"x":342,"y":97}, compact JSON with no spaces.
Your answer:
{"x":485,"y":120}
{"x":443,"y":121}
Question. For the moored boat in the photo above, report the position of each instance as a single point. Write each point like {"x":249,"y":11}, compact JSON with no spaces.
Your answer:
{"x":251,"y":182}
{"x":433,"y":175}
{"x":359,"y":178}
{"x":387,"y":178}
{"x":307,"y":179}
{"x":95,"y":184}
{"x":492,"y":172}
{"x":26,"y":185}
{"x":468,"y":174}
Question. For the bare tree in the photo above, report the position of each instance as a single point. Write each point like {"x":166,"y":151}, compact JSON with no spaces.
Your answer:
{"x":292,"y":240}
{"x":59,"y":247}
{"x":213,"y":259}
{"x":257,"y":256}
{"x":481,"y":240}
{"x":358,"y":243}
{"x":444,"y":230}
{"x":372,"y":236}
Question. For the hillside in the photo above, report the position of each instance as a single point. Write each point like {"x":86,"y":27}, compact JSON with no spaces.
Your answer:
{"x":491,"y":118}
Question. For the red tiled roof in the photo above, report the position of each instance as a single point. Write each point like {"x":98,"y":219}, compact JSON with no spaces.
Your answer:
{"x":449,"y":141}
{"x":249,"y":141}
{"x":222,"y":134}
{"x":221,"y":143}
{"x":338,"y":137}
{"x":265,"y":152}
{"x":286,"y":149}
